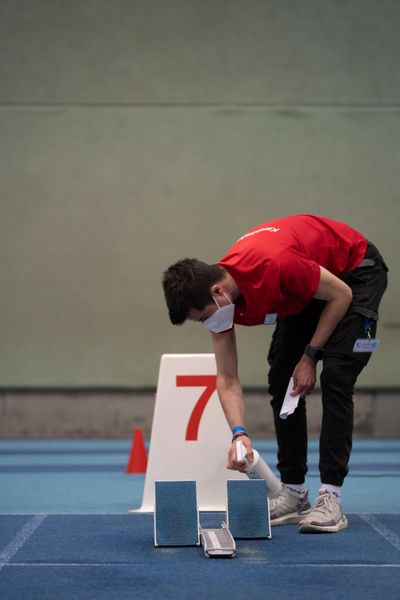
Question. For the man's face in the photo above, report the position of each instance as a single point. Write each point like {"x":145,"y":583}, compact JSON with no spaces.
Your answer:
{"x":202,"y":315}
{"x":220,"y":300}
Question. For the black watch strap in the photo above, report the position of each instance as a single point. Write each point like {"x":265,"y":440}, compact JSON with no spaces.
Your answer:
{"x":314,"y":353}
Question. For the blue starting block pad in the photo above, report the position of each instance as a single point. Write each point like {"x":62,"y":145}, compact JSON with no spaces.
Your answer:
{"x":248,"y":509}
{"x":176,"y":515}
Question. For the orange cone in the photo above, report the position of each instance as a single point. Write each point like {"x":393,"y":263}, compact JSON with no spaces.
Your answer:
{"x":138,"y":455}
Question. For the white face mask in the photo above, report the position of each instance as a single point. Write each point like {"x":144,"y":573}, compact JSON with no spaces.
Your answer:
{"x":222,"y":319}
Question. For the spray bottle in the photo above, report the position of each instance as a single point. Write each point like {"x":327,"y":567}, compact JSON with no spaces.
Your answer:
{"x":258,"y":469}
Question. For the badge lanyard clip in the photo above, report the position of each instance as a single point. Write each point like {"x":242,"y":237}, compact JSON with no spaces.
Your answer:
{"x":367,"y":327}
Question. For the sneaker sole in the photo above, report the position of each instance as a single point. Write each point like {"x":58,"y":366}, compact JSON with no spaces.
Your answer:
{"x":310,"y":528}
{"x":295,"y":517}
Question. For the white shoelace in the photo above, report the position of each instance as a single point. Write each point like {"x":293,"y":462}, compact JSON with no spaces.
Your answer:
{"x":326,"y":504}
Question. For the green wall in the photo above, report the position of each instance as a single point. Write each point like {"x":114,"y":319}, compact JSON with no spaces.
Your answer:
{"x":136,"y":133}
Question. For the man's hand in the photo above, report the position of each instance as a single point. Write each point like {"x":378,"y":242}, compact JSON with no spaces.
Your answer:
{"x":233,"y":463}
{"x":304,"y":377}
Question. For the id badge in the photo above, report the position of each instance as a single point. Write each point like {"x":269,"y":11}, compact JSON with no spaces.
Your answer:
{"x":270,"y":318}
{"x":366,"y":345}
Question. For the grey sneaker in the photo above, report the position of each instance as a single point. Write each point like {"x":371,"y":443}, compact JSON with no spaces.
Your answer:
{"x":287,"y":508}
{"x":326,"y":516}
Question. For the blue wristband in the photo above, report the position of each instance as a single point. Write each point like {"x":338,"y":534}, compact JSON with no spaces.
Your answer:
{"x":238,"y":428}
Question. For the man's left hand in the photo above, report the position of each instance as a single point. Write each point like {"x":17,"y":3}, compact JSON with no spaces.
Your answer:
{"x":304,"y":377}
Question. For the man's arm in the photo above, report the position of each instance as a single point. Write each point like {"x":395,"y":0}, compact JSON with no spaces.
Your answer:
{"x":338,"y":297}
{"x":229,"y":390}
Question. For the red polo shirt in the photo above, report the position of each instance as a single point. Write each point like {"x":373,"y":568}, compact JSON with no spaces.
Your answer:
{"x":276,"y":264}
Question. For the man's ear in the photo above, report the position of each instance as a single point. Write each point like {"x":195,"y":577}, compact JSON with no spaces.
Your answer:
{"x":216,"y":289}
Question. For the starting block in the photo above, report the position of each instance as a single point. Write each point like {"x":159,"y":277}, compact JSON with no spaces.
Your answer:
{"x":176,"y":515}
{"x":248,"y":509}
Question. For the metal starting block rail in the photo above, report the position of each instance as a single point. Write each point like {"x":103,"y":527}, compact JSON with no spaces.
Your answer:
{"x":218,"y":543}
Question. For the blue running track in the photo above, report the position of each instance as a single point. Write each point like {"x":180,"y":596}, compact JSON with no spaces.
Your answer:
{"x":65,"y":533}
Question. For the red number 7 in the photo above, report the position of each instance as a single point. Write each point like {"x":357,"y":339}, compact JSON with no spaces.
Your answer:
{"x":210,"y":383}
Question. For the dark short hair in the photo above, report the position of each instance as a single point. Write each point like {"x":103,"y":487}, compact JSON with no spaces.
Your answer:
{"x":187,"y":285}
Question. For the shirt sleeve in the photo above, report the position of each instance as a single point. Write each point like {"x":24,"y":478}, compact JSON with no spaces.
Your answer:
{"x":298,"y":276}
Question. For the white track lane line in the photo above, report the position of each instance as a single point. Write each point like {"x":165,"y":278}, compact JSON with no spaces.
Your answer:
{"x":20,"y":539}
{"x":380,"y":528}
{"x":261,"y":564}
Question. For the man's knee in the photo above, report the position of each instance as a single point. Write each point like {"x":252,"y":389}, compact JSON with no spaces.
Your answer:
{"x":341,"y":372}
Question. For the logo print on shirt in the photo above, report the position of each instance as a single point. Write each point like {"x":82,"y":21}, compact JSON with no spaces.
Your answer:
{"x":270,"y":229}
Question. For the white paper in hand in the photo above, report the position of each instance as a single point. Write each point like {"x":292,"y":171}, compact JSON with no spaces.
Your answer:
{"x":290,"y":402}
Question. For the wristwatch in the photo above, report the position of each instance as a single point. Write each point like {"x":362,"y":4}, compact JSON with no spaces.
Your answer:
{"x":314,"y":353}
